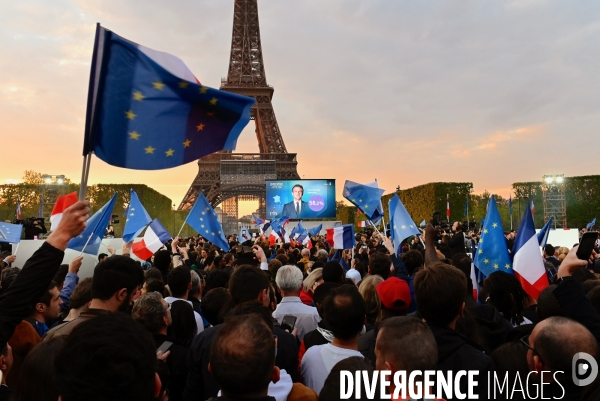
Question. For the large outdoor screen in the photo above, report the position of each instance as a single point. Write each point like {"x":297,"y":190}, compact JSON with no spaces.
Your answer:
{"x":301,"y":199}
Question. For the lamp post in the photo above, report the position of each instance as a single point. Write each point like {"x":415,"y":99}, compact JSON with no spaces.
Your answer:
{"x":174,"y":217}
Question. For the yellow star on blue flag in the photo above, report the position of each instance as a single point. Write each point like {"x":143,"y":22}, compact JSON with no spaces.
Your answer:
{"x":144,"y":111}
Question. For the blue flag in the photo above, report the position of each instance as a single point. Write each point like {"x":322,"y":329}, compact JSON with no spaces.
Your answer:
{"x":203,"y":219}
{"x":278,"y":226}
{"x":542,"y":236}
{"x":137,"y":218}
{"x":492,"y":253}
{"x":364,"y":197}
{"x":423,"y":224}
{"x":10,"y":233}
{"x":94,"y":230}
{"x":510,"y":204}
{"x":466,"y":211}
{"x":147,"y":111}
{"x":401,"y":224}
{"x":313,"y":232}
{"x":591,"y":224}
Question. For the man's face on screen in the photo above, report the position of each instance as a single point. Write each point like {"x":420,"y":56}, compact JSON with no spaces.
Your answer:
{"x":297,"y":192}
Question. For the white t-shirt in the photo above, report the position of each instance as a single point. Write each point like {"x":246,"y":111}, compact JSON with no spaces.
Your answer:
{"x":318,"y":362}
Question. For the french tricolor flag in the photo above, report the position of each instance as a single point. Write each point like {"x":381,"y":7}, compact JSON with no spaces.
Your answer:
{"x":363,"y":223}
{"x":528,"y":264}
{"x":62,"y":203}
{"x":155,"y":237}
{"x":341,"y":237}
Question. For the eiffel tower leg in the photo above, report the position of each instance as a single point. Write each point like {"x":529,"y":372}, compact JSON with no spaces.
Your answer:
{"x":230,"y":215}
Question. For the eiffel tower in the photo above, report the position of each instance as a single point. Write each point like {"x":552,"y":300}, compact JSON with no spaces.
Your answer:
{"x":226,"y":178}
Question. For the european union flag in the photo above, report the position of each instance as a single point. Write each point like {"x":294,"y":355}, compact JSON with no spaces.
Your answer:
{"x":492,"y":253}
{"x":278,"y":225}
{"x":401,"y":224}
{"x":313,"y":232}
{"x":10,"y":233}
{"x":90,"y":239}
{"x":203,"y":219}
{"x":364,"y":197}
{"x":137,"y":218}
{"x":147,"y":111}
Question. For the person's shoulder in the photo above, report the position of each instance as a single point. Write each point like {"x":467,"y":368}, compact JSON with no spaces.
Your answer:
{"x":313,"y":352}
{"x":302,"y":392}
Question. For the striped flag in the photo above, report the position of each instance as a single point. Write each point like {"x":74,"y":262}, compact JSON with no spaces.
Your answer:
{"x":62,"y":203}
{"x":528,"y":264}
{"x":448,"y":206}
{"x":341,"y":237}
{"x":19,"y":209}
{"x":155,"y":237}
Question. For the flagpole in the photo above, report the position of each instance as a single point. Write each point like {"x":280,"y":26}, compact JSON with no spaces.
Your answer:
{"x":85,"y":171}
{"x":87,"y":242}
{"x":17,"y":248}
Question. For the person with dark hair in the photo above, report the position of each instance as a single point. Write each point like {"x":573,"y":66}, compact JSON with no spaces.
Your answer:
{"x":380,"y":264}
{"x":114,"y":283}
{"x":80,"y":300}
{"x":213,"y":303}
{"x":405,"y":344}
{"x":101,"y":257}
{"x":162,"y":261}
{"x":511,"y":361}
{"x":242,"y":361}
{"x":46,"y":310}
{"x":216,"y":278}
{"x":440,"y":291}
{"x":107,"y":358}
{"x":482,"y":323}
{"x":345,"y":312}
{"x":32,"y":282}
{"x":180,"y":283}
{"x":322,"y":334}
{"x":549,"y":257}
{"x":504,"y":292}
{"x":547,"y":304}
{"x":248,"y":283}
{"x":154,"y":313}
{"x":333,"y":272}
{"x":38,"y":373}
{"x":457,"y":242}
{"x":153,"y":285}
{"x":184,"y":326}
{"x":153,"y":273}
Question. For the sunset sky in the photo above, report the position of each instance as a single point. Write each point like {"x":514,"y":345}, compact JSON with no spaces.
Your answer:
{"x":408,"y":92}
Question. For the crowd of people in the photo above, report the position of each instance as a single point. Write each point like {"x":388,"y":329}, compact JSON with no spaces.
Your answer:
{"x":283,"y":322}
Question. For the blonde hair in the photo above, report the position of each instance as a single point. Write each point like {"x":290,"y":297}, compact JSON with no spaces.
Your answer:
{"x":312,"y":278}
{"x":368,"y":291}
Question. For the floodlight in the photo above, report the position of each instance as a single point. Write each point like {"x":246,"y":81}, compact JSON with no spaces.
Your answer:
{"x":48,"y":180}
{"x":559,"y":179}
{"x":549,"y":179}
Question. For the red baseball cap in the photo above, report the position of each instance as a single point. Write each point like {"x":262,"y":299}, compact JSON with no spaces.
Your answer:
{"x":394,"y":293}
